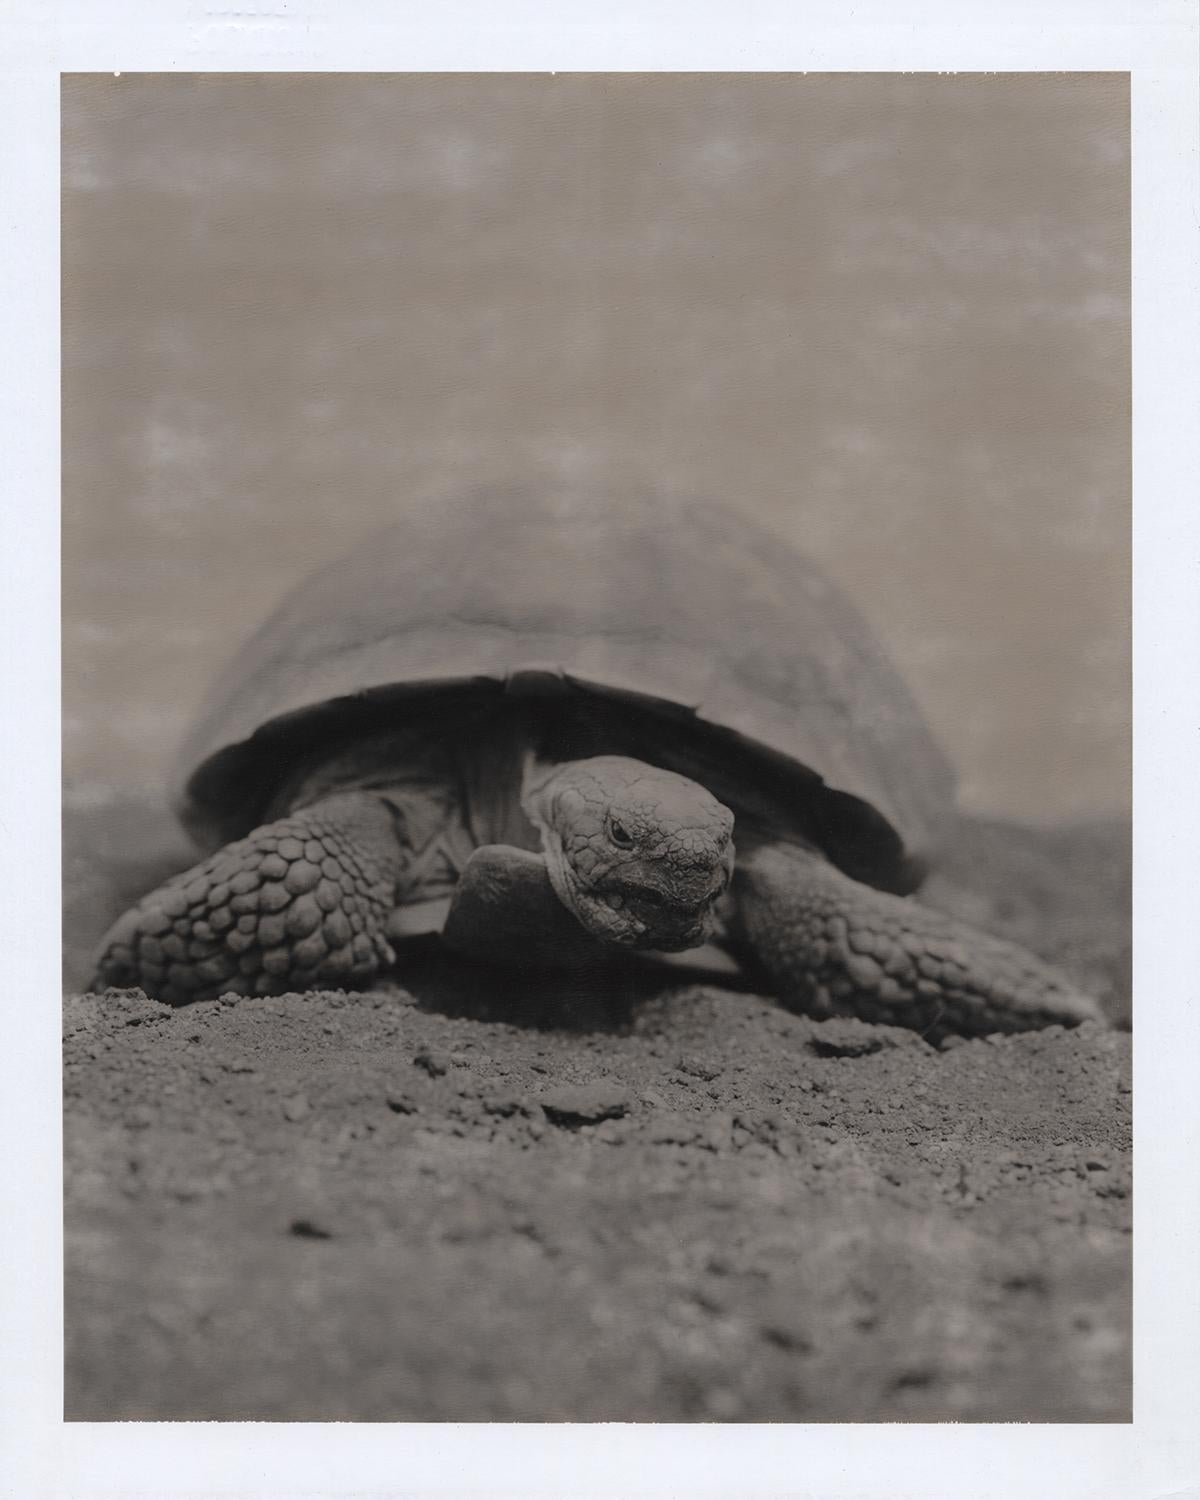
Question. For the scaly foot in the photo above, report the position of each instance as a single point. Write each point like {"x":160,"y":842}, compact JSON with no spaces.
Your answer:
{"x":835,"y":947}
{"x":298,"y":903}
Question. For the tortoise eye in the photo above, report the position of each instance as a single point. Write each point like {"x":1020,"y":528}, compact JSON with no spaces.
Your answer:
{"x":620,"y":835}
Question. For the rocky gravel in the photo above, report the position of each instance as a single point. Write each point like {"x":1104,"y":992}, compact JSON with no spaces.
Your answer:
{"x":479,"y":1198}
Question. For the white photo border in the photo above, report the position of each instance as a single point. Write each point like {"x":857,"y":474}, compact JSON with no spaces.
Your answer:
{"x":1158,"y":1454}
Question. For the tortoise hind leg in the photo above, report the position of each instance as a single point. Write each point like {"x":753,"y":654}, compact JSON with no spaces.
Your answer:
{"x":298,"y":903}
{"x":835,"y":947}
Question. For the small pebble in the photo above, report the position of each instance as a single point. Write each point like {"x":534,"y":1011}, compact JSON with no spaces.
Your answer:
{"x":785,"y":1332}
{"x":585,"y":1103}
{"x":504,"y":1104}
{"x":674,"y":1130}
{"x":847,"y":1039}
{"x":305,"y":1229}
{"x":698,"y":1067}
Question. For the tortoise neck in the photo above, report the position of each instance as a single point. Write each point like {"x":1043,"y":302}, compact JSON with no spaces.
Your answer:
{"x":495,"y":765}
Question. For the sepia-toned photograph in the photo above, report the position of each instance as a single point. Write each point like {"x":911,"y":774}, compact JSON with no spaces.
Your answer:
{"x":596,"y":747}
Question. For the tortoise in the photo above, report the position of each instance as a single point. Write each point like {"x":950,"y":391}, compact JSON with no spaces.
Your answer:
{"x":532,"y":722}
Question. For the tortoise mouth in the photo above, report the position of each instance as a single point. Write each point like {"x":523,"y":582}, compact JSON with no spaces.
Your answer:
{"x":639,"y":915}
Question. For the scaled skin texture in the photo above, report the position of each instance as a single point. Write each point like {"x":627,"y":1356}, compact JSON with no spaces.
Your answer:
{"x":299,"y":903}
{"x":640,"y":855}
{"x":835,"y":947}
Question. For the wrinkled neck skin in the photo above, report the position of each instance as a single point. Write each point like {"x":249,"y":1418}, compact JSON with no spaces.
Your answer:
{"x":639,"y":855}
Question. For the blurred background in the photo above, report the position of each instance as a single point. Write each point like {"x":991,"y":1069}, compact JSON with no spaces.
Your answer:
{"x":887,"y":315}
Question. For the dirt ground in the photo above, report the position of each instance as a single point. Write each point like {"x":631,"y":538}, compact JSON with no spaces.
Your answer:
{"x":482,"y":1198}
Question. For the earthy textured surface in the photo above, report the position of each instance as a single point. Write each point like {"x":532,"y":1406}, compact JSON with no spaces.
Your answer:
{"x":432,"y":1203}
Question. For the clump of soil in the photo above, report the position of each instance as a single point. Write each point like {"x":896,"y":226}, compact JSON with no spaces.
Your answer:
{"x":472,"y":1199}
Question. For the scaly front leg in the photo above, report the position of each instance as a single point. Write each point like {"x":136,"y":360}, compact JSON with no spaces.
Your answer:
{"x":298,"y":903}
{"x":835,"y":947}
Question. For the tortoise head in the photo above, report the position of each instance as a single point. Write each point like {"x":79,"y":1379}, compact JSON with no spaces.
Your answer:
{"x":639,"y":855}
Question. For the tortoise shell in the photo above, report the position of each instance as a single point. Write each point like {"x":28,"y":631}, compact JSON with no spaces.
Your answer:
{"x":683,"y":610}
